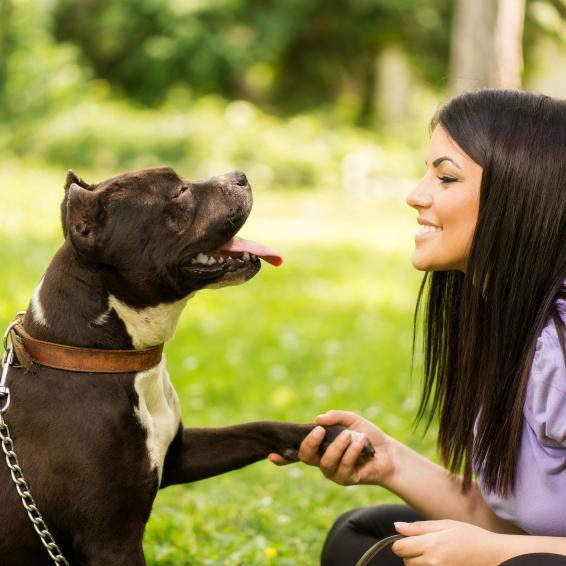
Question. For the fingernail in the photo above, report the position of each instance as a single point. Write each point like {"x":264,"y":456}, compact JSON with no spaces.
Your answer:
{"x":346,"y":435}
{"x":318,"y":432}
{"x":358,"y":436}
{"x":322,"y":415}
{"x":401,"y":525}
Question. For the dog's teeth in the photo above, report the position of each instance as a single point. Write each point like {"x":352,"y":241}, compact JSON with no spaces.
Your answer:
{"x":253,"y":257}
{"x":221,"y":259}
{"x":246,"y":256}
{"x":202,"y":259}
{"x":211,"y":261}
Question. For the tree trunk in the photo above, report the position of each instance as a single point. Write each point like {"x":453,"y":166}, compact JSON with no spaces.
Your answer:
{"x":393,"y":87}
{"x":486,"y":48}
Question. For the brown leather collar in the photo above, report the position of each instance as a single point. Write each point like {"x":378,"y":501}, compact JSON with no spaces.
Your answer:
{"x":31,"y":351}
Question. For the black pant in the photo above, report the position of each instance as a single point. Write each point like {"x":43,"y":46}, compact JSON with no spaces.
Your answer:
{"x":356,"y":530}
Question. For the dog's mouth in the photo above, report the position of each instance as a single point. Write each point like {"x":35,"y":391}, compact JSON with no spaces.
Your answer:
{"x":237,"y":252}
{"x":234,"y":262}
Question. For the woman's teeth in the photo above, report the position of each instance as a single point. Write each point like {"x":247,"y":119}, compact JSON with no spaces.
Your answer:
{"x":426,"y":229}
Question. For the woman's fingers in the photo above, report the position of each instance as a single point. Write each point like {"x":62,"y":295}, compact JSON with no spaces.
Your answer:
{"x":332,"y":457}
{"x":347,"y":472}
{"x":353,"y":452}
{"x":277,"y":459}
{"x":308,"y":451}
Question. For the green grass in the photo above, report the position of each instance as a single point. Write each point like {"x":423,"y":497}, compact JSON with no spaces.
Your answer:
{"x":331,"y":328}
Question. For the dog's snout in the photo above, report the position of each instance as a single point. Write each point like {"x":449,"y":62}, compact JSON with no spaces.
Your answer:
{"x":240,"y":179}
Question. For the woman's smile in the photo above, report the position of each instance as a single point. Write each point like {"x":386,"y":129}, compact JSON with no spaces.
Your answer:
{"x":426,"y":229}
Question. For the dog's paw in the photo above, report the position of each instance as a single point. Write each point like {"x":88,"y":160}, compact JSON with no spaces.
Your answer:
{"x":291,"y":435}
{"x":332,"y":432}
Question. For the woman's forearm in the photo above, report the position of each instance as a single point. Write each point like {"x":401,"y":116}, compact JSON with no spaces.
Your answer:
{"x":437,"y":494}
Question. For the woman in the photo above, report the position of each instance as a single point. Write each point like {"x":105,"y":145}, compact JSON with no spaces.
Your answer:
{"x":492,"y":239}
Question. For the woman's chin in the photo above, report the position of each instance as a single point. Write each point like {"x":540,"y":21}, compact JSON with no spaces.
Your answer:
{"x":420,"y":262}
{"x":423,"y":263}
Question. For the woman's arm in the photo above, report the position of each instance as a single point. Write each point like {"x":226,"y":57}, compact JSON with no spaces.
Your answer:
{"x":428,"y":488}
{"x":437,"y":494}
{"x":469,"y":532}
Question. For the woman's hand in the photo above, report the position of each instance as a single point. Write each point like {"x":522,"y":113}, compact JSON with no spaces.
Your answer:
{"x":447,"y":543}
{"x":338,"y":463}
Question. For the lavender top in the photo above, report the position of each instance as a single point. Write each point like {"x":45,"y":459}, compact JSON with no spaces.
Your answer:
{"x":538,"y":504}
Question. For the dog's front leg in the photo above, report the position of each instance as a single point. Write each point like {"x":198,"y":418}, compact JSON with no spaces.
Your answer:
{"x":198,"y":453}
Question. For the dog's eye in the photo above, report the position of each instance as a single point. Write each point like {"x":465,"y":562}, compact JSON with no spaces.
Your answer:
{"x":182,"y":189}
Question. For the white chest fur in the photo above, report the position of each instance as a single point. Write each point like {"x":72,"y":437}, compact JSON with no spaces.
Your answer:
{"x":158,"y":412}
{"x":149,"y":326}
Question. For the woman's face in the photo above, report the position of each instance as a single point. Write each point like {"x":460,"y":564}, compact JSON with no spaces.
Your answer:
{"x":447,"y":200}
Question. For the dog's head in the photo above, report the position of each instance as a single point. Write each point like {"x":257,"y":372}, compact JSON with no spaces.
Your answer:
{"x":158,"y":237}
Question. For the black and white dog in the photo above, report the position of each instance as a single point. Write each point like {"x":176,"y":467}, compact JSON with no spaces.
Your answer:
{"x":95,"y":448}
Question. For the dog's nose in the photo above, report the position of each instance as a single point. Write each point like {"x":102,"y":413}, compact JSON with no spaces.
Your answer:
{"x":240,"y":179}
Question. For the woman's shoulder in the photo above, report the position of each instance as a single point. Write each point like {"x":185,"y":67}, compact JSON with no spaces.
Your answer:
{"x":545,"y":402}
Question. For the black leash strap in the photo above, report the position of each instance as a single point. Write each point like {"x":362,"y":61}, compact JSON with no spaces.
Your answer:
{"x":376,"y":548}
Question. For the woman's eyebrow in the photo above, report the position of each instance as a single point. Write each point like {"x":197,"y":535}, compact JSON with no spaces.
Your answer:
{"x":439,"y":160}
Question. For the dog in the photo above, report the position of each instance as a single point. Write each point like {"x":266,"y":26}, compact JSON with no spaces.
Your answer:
{"x":96,"y":443}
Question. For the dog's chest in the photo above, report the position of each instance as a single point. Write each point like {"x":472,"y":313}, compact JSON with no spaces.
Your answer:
{"x":158,"y":412}
{"x":158,"y":407}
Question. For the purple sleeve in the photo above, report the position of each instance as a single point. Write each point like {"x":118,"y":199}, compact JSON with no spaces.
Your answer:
{"x":545,"y":402}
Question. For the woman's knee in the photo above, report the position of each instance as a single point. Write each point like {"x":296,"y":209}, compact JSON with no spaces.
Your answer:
{"x":373,"y":521}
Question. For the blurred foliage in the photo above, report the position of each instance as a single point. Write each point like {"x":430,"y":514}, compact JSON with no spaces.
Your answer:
{"x":544,"y":18}
{"x":38,"y":76}
{"x":286,"y":56}
{"x":207,"y":136}
{"x":78,"y":78}
{"x":291,"y":55}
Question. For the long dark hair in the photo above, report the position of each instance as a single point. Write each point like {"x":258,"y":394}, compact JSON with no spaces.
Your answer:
{"x":481,"y":327}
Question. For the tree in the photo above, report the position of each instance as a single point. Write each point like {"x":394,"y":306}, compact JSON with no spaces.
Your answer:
{"x":486,"y":46}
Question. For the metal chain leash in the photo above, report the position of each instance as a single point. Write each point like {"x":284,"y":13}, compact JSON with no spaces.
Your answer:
{"x":12,"y":460}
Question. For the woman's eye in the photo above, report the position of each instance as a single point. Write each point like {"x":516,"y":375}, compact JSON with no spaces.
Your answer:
{"x":445,"y":179}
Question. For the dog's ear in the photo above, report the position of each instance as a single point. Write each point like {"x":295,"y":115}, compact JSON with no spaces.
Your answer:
{"x":83,"y":216}
{"x":72,"y":178}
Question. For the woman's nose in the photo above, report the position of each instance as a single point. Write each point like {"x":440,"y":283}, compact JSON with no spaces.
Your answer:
{"x":419,"y":197}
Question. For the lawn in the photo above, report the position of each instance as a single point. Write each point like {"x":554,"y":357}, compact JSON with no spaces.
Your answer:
{"x":331,"y":328}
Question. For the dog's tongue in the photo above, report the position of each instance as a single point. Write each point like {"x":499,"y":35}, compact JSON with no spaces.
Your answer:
{"x":240,"y":245}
